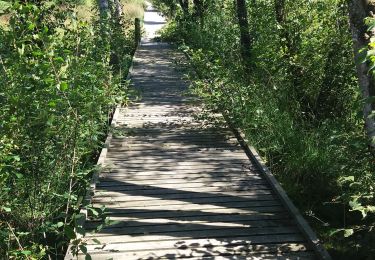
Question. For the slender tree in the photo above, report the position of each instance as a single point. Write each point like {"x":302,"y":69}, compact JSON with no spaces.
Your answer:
{"x":288,"y":45}
{"x":118,"y":9}
{"x":199,"y":10}
{"x":184,"y":6}
{"x":103,"y":7}
{"x":245,"y":37}
{"x":359,"y":10}
{"x":286,"y":41}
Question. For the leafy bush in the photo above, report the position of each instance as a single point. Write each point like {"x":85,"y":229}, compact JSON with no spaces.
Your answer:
{"x":299,"y":105}
{"x":59,"y":83}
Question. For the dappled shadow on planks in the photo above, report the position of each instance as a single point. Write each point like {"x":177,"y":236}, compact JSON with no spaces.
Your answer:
{"x":180,"y":186}
{"x":195,"y":224}
{"x":220,"y":209}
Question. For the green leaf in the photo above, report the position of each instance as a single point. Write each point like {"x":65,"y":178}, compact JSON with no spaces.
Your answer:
{"x":21,"y":50}
{"x":26,"y":252}
{"x":334,"y":232}
{"x":83,"y":249}
{"x":23,"y":234}
{"x":94,"y":212}
{"x":52,"y":104}
{"x":60,"y":224}
{"x":111,"y":222}
{"x":31,"y":26}
{"x":88,"y":257}
{"x":59,"y":59}
{"x":69,"y":232}
{"x":348,"y":232}
{"x":81,"y":231}
{"x":96,"y":241}
{"x":6,"y":209}
{"x":63,"y":86}
{"x":100,"y":227}
{"x":370,"y":209}
{"x":370,"y":53}
{"x":347,"y":179}
{"x":355,"y":205}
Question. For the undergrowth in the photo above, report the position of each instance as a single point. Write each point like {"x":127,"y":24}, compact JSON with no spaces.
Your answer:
{"x":60,"y":80}
{"x":308,"y":126}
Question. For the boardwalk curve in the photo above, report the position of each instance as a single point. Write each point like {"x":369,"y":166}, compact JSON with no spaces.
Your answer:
{"x":182,"y":187}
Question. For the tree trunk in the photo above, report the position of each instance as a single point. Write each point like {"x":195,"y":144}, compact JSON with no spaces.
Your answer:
{"x":288,"y":45}
{"x":245,"y":38}
{"x":281,"y":20}
{"x":185,"y":6}
{"x":103,"y":7}
{"x":118,"y":9}
{"x":358,"y":11}
{"x":199,"y":10}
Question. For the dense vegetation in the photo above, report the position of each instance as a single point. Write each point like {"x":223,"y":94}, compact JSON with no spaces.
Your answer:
{"x":60,"y":79}
{"x":284,"y":72}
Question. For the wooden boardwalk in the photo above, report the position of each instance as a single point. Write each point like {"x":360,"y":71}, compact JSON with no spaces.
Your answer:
{"x":182,"y":187}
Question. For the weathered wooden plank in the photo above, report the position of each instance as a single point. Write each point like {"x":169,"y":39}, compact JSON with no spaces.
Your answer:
{"x":218,"y":132}
{"x":200,"y":254}
{"x":183,"y":196}
{"x":111,"y":182}
{"x":201,"y":211}
{"x":225,"y":186}
{"x":175,"y":176}
{"x":156,"y":163}
{"x":256,"y":236}
{"x":177,"y":138}
{"x":179,"y":181}
{"x":231,"y":152}
{"x":178,"y":150}
{"x":239,"y":242}
{"x":199,"y":248}
{"x":150,"y":201}
{"x":310,"y":255}
{"x":165,"y":155}
{"x":230,"y":170}
{"x":181,"y":161}
{"x":204,"y":253}
{"x":169,"y":167}
{"x":161,"y":193}
{"x":187,"y":227}
{"x":130,"y":133}
{"x":170,"y":145}
{"x":192,"y":206}
{"x":211,"y":220}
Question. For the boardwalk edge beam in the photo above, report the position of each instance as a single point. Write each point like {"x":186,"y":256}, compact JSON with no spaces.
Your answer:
{"x":305,"y":228}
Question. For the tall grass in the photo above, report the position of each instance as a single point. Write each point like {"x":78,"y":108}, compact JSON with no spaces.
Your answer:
{"x":317,"y":151}
{"x":133,"y":9}
{"x":4,"y":16}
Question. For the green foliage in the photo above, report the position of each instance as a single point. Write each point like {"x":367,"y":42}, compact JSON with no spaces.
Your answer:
{"x":59,"y":82}
{"x":300,"y":105}
{"x":4,"y":7}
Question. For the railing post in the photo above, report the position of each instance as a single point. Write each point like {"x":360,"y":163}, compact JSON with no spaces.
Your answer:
{"x":137,"y":31}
